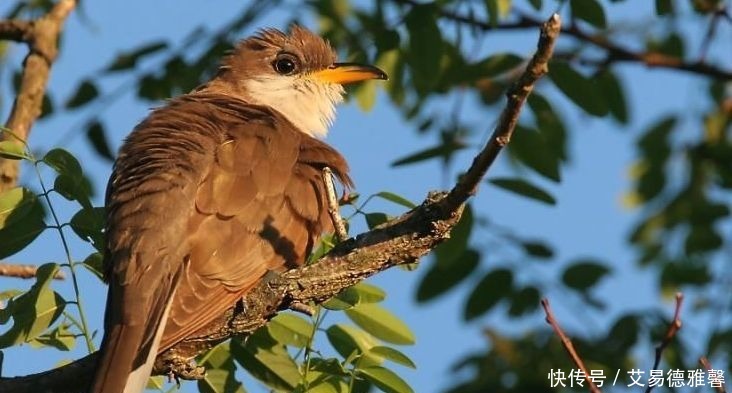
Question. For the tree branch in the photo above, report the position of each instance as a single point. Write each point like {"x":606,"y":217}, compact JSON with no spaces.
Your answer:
{"x":19,"y":270}
{"x":671,"y":331}
{"x":42,"y":38}
{"x":400,"y":241}
{"x":616,"y":53}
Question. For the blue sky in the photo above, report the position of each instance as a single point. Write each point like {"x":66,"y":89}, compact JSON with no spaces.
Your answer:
{"x":589,"y":219}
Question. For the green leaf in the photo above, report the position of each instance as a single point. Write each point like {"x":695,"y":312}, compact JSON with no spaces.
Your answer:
{"x":497,"y":10}
{"x":490,"y":67}
{"x":365,"y":94}
{"x":354,"y":295}
{"x":586,"y":93}
{"x":441,"y":278}
{"x":584,"y":274}
{"x":590,"y":11}
{"x":664,"y":7}
{"x":524,"y":188}
{"x":98,"y":139}
{"x":381,"y":323}
{"x":127,"y":60}
{"x":529,"y":147}
{"x":425,"y":46}
{"x":384,"y":379}
{"x":95,"y":264}
{"x":495,"y":286}
{"x":13,"y":150}
{"x":614,"y":94}
{"x":538,"y":249}
{"x":454,"y":247}
{"x":348,"y":339}
{"x":33,"y":311}
{"x":536,"y":4}
{"x":89,"y":225}
{"x":85,"y":93}
{"x":444,"y":151}
{"x":60,"y":338}
{"x":220,"y":372}
{"x":375,"y":219}
{"x":550,"y":126}
{"x":676,"y":274}
{"x":15,"y":205}
{"x":63,"y":162}
{"x":524,"y":301}
{"x":399,"y":200}
{"x":267,"y":361}
{"x":290,"y":329}
{"x":19,"y":233}
{"x":393,"y":355}
{"x":73,"y":189}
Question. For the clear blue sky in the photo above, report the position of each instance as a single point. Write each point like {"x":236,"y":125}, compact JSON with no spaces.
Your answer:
{"x":589,"y":219}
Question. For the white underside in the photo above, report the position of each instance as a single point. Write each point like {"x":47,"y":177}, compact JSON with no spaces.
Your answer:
{"x":306,"y":102}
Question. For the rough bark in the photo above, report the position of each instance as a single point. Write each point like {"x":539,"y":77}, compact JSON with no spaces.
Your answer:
{"x":42,"y":37}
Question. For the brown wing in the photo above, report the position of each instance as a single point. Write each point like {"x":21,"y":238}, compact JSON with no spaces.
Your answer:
{"x":259,"y":207}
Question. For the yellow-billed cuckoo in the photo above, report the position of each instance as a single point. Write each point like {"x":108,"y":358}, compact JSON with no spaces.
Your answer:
{"x":214,"y":189}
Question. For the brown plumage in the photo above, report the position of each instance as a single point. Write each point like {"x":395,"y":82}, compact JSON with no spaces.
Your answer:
{"x":213,"y":190}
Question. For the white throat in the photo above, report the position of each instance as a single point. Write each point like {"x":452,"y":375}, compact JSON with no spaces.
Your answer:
{"x":305,"y":102}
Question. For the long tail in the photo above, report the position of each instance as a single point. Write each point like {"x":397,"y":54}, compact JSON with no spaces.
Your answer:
{"x":126,"y":362}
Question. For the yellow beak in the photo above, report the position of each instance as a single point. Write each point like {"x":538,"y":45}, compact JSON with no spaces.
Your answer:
{"x":344,"y":73}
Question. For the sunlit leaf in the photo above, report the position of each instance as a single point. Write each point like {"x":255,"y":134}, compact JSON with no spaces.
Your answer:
{"x":15,"y":235}
{"x":381,"y":323}
{"x":393,"y":355}
{"x":33,"y":311}
{"x":269,"y":363}
{"x":12,"y":150}
{"x":384,"y":379}
{"x":15,"y":204}
{"x":290,"y":329}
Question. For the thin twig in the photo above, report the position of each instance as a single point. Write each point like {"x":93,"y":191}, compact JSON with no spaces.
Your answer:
{"x":516,"y":96}
{"x":333,"y":208}
{"x":615,"y":52}
{"x":708,"y":366}
{"x":567,"y":343}
{"x":42,"y":38}
{"x":17,"y":270}
{"x":671,"y":331}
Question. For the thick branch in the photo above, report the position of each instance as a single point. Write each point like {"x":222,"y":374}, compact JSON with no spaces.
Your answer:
{"x":42,"y":38}
{"x":400,"y":241}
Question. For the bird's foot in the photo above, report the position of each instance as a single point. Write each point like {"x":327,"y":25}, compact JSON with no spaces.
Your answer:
{"x":181,"y":368}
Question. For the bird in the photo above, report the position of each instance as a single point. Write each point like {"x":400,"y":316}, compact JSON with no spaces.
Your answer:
{"x":214,"y":189}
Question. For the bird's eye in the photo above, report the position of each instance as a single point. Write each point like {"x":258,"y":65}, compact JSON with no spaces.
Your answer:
{"x":285,"y":64}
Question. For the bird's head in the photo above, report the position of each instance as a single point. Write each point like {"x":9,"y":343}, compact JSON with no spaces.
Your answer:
{"x":296,"y":74}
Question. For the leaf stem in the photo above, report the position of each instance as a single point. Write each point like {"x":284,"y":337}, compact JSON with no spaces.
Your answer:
{"x":85,"y":327}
